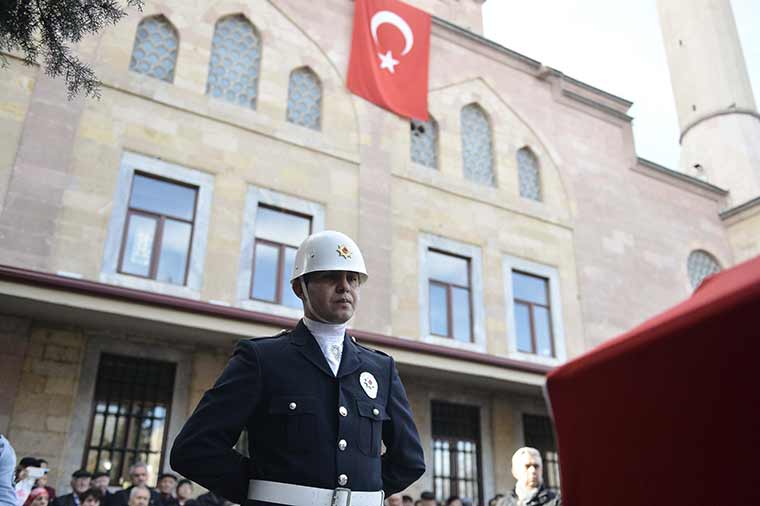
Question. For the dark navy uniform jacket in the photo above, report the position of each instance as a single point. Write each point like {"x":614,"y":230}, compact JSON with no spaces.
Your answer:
{"x":282,"y":391}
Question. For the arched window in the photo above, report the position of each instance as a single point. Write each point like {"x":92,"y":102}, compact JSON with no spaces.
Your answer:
{"x":233,"y":73}
{"x":477,"y":151}
{"x":424,"y":145}
{"x":305,"y":98}
{"x":527,"y":172}
{"x":155,"y":51}
{"x":700,"y":265}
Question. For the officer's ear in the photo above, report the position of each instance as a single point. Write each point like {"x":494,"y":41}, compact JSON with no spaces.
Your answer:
{"x":296,"y":285}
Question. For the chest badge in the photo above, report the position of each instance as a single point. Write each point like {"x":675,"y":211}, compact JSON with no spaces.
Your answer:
{"x":369,"y":384}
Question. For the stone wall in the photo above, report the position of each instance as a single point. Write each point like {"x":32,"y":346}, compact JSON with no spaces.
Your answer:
{"x":41,"y":413}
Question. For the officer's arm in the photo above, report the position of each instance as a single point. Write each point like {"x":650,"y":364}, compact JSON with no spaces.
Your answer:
{"x":403,"y":462}
{"x":203,"y":449}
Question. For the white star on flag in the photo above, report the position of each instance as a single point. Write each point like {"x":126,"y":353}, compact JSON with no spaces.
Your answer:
{"x":387,"y":61}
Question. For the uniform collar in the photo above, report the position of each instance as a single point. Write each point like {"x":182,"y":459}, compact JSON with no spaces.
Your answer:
{"x":308,"y":347}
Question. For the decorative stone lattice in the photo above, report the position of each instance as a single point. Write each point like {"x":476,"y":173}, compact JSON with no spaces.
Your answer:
{"x":477,"y":151}
{"x":235,"y":56}
{"x":155,"y":50}
{"x":700,"y":265}
{"x":425,"y":142}
{"x":527,"y":172}
{"x":305,"y":98}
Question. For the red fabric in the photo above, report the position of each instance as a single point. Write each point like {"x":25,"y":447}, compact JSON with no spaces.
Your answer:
{"x":404,"y":89}
{"x":668,"y":412}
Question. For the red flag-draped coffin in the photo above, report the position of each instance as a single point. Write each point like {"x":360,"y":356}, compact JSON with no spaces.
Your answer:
{"x":668,"y":413}
{"x":390,"y":52}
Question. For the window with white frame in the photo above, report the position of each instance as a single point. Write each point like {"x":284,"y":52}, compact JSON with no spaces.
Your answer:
{"x":274,"y":226}
{"x":278,"y":234}
{"x":155,"y":49}
{"x":451,"y":293}
{"x":534,"y":311}
{"x":159,"y":226}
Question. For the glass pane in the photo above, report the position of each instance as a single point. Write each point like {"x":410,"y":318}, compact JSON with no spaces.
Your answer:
{"x":448,"y":268}
{"x":542,"y":323}
{"x":155,"y":49}
{"x":522,"y":328}
{"x":460,"y":300}
{"x":139,"y":247}
{"x":529,"y":288}
{"x":438,"y":310}
{"x":175,"y":247}
{"x":304,"y":98}
{"x":424,"y":142}
{"x":234,"y":68}
{"x":266,"y":258}
{"x":284,"y":228}
{"x":288,"y":297}
{"x":529,"y":179}
{"x":163,"y":197}
{"x":477,"y":152}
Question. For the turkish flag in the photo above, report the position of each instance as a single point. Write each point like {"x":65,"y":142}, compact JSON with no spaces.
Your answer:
{"x":390,"y":53}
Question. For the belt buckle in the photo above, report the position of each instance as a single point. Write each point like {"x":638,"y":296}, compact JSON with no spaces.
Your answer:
{"x":339,"y":493}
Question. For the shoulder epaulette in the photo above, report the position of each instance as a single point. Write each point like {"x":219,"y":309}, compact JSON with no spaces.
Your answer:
{"x":357,"y":343}
{"x":279,"y":334}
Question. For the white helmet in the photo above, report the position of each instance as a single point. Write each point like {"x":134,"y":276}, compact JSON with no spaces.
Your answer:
{"x":328,"y":251}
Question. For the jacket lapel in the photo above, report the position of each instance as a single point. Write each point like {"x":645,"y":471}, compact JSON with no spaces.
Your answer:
{"x":308,"y":347}
{"x":351,"y":359}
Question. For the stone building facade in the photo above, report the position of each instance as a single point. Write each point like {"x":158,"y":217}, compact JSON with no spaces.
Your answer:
{"x":555,"y":235}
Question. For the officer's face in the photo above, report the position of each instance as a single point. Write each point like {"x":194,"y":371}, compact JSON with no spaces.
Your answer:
{"x":527,"y":470}
{"x":140,"y":497}
{"x":334,"y":295}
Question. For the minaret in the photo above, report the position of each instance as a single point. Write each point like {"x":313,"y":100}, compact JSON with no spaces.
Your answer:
{"x":720,"y":125}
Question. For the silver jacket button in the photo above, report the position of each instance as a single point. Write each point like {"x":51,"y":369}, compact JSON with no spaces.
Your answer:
{"x":342,"y":444}
{"x":375,"y":411}
{"x":292,"y":406}
{"x":342,"y":480}
{"x":343,"y":411}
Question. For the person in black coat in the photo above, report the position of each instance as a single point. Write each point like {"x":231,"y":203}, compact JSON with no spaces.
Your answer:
{"x":80,"y":483}
{"x":316,"y":404}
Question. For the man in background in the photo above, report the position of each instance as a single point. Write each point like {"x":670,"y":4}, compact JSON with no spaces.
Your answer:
{"x":529,"y":490}
{"x":138,"y":475}
{"x":80,"y":482}
{"x":165,"y":485}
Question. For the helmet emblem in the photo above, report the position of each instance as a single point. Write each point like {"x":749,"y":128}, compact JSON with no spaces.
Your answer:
{"x":344,"y":251}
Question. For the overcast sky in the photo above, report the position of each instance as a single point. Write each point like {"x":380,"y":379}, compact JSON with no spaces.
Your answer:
{"x":615,"y":45}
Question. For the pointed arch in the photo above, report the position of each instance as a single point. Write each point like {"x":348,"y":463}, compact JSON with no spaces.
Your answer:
{"x":477,"y":145}
{"x":155,"y":49}
{"x":233,"y":73}
{"x":305,"y":98}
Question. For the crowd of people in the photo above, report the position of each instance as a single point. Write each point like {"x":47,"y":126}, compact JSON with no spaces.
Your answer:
{"x":30,"y":487}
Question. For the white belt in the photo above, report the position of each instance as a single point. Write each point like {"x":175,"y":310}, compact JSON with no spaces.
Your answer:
{"x":299,"y":495}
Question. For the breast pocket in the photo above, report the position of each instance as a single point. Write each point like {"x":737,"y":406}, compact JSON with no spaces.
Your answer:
{"x":371,"y":417}
{"x":296,"y":418}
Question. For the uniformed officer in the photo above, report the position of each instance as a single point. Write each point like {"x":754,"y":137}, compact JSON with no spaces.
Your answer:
{"x":316,"y":404}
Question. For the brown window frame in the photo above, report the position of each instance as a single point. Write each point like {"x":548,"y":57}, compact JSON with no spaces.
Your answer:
{"x":531,"y":305}
{"x":159,"y":233}
{"x":449,"y":297}
{"x":453,"y":478}
{"x":280,"y":252}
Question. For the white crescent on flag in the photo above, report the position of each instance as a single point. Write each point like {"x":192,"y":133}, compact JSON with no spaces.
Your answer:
{"x":382,"y":17}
